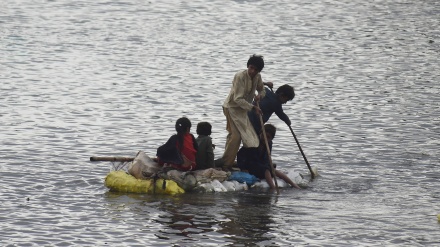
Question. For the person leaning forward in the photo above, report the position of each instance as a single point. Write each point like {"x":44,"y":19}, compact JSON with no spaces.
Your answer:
{"x":273,"y":103}
{"x":237,"y":105}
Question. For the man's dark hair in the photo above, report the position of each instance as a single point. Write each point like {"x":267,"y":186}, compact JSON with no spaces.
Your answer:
{"x":204,"y":128}
{"x":256,"y":61}
{"x":287,"y":91}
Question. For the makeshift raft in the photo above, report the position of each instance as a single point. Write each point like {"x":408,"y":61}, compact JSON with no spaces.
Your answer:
{"x":144,"y":175}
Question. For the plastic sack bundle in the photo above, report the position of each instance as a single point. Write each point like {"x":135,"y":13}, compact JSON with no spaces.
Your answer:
{"x":243,"y":177}
{"x":210,"y":174}
{"x":120,"y":181}
{"x":234,"y":185}
{"x":143,"y":167}
{"x":218,"y":186}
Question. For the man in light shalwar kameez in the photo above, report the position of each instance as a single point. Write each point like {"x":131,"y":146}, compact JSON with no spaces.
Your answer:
{"x":236,"y":108}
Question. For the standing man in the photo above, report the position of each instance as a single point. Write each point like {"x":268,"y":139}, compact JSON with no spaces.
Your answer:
{"x":236,"y":108}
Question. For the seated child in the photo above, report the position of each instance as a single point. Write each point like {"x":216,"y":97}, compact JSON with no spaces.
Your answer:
{"x":205,"y":153}
{"x":256,"y":160}
{"x":180,"y":150}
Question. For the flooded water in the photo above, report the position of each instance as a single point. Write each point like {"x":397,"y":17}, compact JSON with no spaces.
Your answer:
{"x":109,"y":78}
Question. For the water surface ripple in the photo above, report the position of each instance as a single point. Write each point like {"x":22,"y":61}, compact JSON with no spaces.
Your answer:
{"x":109,"y":78}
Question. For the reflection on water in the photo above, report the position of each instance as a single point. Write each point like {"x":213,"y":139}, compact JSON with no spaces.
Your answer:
{"x":241,"y":216}
{"x":250,"y":219}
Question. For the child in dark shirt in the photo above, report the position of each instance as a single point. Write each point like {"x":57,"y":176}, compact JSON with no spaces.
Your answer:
{"x":205,"y":152}
{"x":256,"y":160}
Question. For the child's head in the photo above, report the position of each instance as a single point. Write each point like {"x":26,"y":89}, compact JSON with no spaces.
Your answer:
{"x":256,"y":61}
{"x":183,"y":125}
{"x":285,"y":93}
{"x":204,"y":128}
{"x":270,"y":131}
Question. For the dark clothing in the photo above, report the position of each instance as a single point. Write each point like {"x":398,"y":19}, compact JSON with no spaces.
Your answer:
{"x":169,"y":153}
{"x":268,"y":105}
{"x":254,"y":160}
{"x":205,"y":153}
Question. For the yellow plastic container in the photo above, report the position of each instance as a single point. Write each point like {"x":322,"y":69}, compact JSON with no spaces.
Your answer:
{"x":120,"y":181}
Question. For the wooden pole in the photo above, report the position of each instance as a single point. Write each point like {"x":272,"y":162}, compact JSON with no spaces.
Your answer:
{"x":304,"y":156}
{"x":112,"y":159}
{"x":268,"y":153}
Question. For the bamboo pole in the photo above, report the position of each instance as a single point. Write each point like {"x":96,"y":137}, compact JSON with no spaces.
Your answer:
{"x":112,"y":159}
{"x":268,"y":153}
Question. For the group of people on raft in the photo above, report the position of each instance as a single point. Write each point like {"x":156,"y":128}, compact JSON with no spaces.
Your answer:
{"x":243,"y":110}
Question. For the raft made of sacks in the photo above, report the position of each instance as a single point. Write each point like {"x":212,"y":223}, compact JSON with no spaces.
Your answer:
{"x":145,"y":176}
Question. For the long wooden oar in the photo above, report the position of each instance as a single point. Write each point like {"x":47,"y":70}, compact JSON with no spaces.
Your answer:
{"x":268,"y":153}
{"x":113,"y":159}
{"x":304,"y":156}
